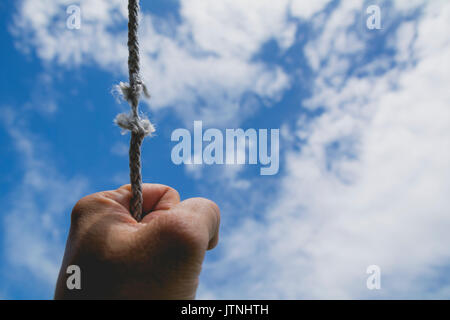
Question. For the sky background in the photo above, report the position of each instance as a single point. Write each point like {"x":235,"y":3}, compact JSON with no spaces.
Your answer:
{"x":364,"y":117}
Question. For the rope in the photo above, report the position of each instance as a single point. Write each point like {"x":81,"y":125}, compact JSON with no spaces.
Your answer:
{"x":139,"y":127}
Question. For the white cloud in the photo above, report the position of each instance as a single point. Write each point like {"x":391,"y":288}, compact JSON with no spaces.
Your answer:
{"x":369,"y":185}
{"x":306,"y":9}
{"x":120,"y":149}
{"x":39,"y":206}
{"x":381,"y":198}
{"x":201,"y":67}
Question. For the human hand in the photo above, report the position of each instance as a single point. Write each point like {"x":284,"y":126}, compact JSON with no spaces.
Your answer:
{"x":120,"y":258}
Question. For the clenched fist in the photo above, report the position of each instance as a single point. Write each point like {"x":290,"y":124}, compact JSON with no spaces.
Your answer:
{"x":120,"y":258}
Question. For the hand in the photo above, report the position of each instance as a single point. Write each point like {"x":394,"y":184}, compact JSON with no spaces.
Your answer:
{"x":120,"y":258}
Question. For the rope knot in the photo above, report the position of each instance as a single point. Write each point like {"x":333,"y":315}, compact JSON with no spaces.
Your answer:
{"x":140,"y":126}
{"x":132,"y":94}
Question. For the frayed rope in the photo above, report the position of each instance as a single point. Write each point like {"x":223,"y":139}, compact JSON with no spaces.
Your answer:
{"x":129,"y":122}
{"x":139,"y":127}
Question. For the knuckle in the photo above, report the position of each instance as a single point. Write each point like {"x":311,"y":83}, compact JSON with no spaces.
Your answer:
{"x":170,"y":191}
{"x":81,"y":207}
{"x":210,"y":204}
{"x":213,"y":206}
{"x":77,"y":209}
{"x":175,"y":192}
{"x":181,"y":233}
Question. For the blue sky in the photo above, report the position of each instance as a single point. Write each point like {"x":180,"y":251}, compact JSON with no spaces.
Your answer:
{"x":364,"y":146}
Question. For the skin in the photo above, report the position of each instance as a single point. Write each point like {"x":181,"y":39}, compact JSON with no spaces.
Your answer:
{"x":158,"y":258}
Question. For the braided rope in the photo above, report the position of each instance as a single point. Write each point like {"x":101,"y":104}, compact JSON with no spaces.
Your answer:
{"x":138,"y":126}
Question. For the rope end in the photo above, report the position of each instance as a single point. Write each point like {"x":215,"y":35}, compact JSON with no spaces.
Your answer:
{"x":129,"y":94}
{"x":141,"y":126}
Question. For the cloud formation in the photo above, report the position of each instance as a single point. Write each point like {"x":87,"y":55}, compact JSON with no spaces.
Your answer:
{"x":35,"y":221}
{"x":202,"y":66}
{"x":370,"y":184}
{"x":367,"y":181}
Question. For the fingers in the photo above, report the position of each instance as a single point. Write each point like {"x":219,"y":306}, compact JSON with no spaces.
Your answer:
{"x":204,"y":215}
{"x":191,"y":226}
{"x":155,"y":197}
{"x":194,"y":222}
{"x":117,"y":202}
